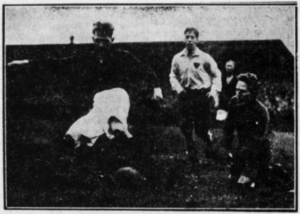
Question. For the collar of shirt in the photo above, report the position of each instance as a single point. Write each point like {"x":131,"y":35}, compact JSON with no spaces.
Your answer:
{"x":229,"y":79}
{"x":197,"y":52}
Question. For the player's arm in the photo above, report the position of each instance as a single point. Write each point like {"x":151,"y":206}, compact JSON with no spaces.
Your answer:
{"x":148,"y":74}
{"x":175,"y":84}
{"x":229,"y":126}
{"x":157,"y":92}
{"x":264,"y":120}
{"x":48,"y":61}
{"x":216,"y":75}
{"x":18,"y":62}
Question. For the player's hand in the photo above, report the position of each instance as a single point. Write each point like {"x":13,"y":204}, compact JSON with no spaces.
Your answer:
{"x":17,"y":62}
{"x":215,"y":95}
{"x":157,"y":94}
{"x":212,"y":93}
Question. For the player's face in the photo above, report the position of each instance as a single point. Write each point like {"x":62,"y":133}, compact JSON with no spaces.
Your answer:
{"x":190,"y":40}
{"x":241,"y":90}
{"x":229,"y":67}
{"x":101,"y":41}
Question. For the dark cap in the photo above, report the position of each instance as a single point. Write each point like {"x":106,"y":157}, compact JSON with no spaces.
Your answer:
{"x":105,"y":28}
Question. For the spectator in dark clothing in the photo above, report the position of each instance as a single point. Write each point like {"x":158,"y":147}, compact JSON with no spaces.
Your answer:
{"x":250,"y":118}
{"x":228,"y":84}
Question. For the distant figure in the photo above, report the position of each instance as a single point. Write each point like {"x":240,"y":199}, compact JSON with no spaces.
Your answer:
{"x":229,"y":82}
{"x":72,"y":40}
{"x":195,"y":77}
{"x":250,"y":119}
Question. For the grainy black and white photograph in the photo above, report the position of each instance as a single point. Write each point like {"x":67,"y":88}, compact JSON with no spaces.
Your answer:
{"x":183,"y":107}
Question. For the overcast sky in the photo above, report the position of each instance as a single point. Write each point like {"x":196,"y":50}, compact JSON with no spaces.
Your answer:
{"x":55,"y":25}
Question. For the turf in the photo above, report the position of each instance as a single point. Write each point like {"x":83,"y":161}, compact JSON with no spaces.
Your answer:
{"x":39,"y":176}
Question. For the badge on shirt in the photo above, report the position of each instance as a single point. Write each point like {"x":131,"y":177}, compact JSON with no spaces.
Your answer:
{"x":196,"y":64}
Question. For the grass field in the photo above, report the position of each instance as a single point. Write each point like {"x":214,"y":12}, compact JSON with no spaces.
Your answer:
{"x":37,"y":176}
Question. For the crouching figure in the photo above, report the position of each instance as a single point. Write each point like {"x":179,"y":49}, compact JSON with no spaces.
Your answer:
{"x":108,"y":116}
{"x":250,"y":119}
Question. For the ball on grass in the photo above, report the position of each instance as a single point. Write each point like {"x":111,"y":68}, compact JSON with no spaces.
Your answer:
{"x":128,"y":177}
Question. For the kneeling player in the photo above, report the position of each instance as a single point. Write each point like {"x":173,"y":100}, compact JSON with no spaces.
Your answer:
{"x":250,"y":118}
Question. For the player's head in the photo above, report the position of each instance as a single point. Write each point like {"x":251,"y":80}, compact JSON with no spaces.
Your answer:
{"x":246,"y":87}
{"x":229,"y":66}
{"x":102,"y":35}
{"x":191,"y":38}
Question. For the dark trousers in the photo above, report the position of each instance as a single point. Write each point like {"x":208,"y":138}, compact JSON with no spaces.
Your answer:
{"x":195,"y":114}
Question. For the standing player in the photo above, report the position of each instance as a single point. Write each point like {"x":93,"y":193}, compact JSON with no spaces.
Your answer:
{"x":195,"y":77}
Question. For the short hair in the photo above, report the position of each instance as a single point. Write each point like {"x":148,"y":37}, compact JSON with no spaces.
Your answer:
{"x":251,"y":80}
{"x":191,"y":29}
{"x":105,"y":27}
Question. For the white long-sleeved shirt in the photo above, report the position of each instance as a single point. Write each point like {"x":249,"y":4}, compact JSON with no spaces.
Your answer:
{"x":199,"y":71}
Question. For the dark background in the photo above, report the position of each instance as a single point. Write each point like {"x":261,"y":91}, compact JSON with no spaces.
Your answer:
{"x":40,"y":89}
